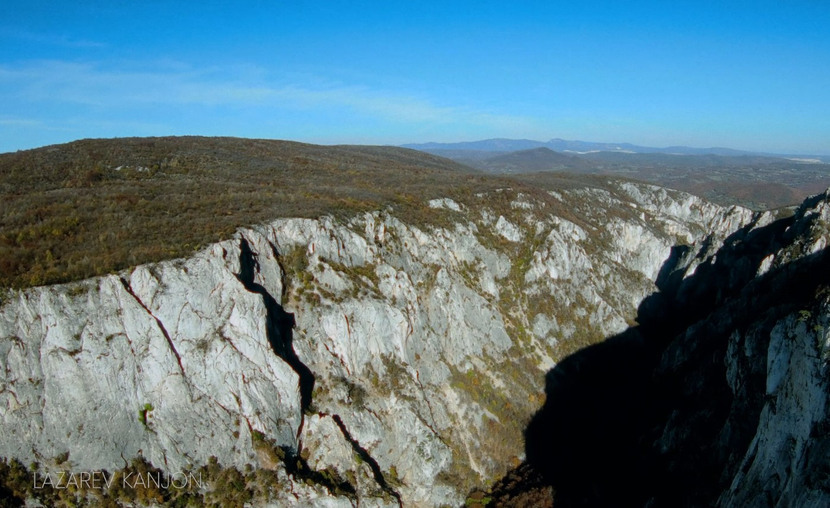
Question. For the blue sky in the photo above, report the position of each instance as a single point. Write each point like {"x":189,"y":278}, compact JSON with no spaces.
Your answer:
{"x":748,"y":75}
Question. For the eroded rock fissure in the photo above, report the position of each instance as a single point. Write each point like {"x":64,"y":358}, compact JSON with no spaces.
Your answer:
{"x":431,"y":424}
{"x":279,"y":324}
{"x":367,"y":458}
{"x":297,"y":466}
{"x":283,"y":273}
{"x":279,"y":330}
{"x":160,"y":325}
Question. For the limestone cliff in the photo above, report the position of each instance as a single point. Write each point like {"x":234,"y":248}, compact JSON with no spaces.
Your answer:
{"x":395,"y":362}
{"x":718,"y":396}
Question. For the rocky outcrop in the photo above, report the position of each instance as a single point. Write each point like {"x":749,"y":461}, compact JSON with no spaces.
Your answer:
{"x":396,"y":360}
{"x":718,"y":396}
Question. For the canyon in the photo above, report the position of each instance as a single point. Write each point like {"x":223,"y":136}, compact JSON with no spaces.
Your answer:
{"x":372,"y":359}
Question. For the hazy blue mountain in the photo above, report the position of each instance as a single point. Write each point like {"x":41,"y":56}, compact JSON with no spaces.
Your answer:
{"x":563,"y":145}
{"x":723,"y":175}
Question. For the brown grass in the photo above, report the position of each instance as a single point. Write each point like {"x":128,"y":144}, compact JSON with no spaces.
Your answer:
{"x":67,"y":213}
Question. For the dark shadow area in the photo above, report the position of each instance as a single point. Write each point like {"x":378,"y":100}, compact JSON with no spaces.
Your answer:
{"x":279,"y":324}
{"x":587,"y":438}
{"x":8,"y":499}
{"x":522,"y":487}
{"x":647,"y":417}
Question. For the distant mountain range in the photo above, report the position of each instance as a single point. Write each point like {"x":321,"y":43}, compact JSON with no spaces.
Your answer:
{"x":723,"y":175}
{"x":583,"y":147}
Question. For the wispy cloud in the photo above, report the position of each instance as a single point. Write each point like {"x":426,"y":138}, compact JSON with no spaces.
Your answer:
{"x":97,"y":85}
{"x":49,"y":39}
{"x":20,"y":122}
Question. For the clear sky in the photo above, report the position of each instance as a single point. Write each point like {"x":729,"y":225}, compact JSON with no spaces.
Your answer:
{"x":750,"y":75}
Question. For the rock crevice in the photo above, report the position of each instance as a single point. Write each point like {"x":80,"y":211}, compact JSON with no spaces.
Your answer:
{"x":279,"y":324}
{"x":161,"y":327}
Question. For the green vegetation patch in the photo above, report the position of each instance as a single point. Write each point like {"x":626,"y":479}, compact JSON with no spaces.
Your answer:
{"x":143,"y":413}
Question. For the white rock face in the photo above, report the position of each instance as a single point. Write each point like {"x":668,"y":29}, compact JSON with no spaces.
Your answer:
{"x":798,"y":390}
{"x":787,"y":460}
{"x":508,"y":230}
{"x":447,"y":203}
{"x":85,"y":362}
{"x":426,"y":344}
